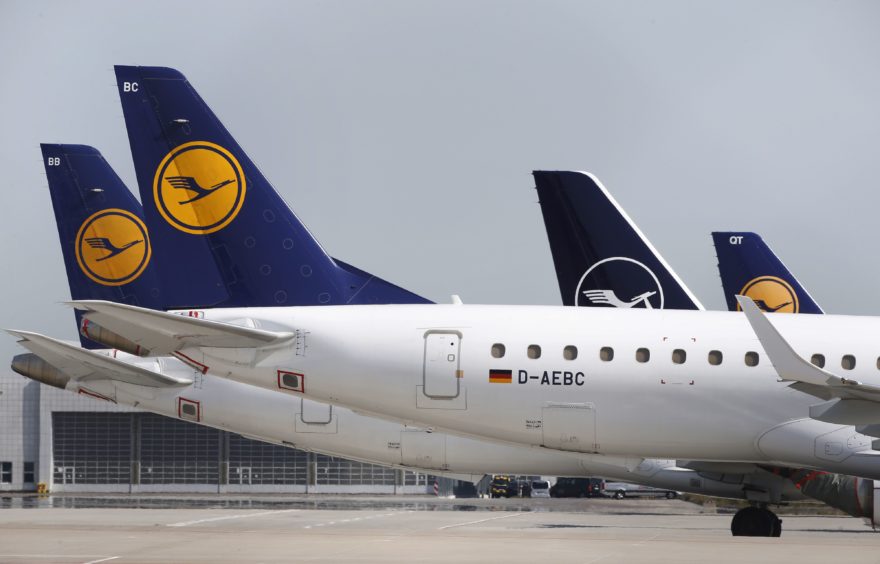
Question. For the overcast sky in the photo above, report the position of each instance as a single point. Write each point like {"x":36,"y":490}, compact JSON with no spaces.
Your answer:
{"x":403,"y":133}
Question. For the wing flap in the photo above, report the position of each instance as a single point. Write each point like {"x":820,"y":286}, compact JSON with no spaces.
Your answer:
{"x":163,"y":333}
{"x":85,"y":365}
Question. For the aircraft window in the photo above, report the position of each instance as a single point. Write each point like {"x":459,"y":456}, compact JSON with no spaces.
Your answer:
{"x":498,"y":350}
{"x":534,"y":351}
{"x":752,"y":358}
{"x":606,"y":354}
{"x":188,"y":409}
{"x":878,"y":363}
{"x":290,"y":380}
{"x":679,"y":356}
{"x":570,"y":352}
{"x":819,"y":360}
{"x":848,"y":362}
{"x":715,"y":358}
{"x":643,"y":355}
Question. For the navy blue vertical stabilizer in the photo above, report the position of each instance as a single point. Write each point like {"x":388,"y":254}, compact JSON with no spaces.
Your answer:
{"x":601,"y":257}
{"x":200,"y":189}
{"x":104,"y":242}
{"x":749,"y":268}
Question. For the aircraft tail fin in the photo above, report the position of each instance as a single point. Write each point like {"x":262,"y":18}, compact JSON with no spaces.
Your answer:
{"x":601,"y":256}
{"x":749,"y":267}
{"x":104,"y":241}
{"x":199,"y":188}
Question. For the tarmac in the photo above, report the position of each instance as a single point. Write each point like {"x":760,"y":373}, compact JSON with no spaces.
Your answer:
{"x":88,"y":529}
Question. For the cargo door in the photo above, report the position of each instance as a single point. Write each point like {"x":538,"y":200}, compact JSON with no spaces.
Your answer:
{"x":570,"y":426}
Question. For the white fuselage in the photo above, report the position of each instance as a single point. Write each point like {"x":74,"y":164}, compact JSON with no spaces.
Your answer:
{"x":294,"y":421}
{"x":390,"y":361}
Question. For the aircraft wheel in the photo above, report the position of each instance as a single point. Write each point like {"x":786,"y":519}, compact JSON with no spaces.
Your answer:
{"x":619,"y":495}
{"x":755,"y":522}
{"x":671,"y":495}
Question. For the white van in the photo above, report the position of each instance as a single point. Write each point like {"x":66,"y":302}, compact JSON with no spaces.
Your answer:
{"x":540,"y":488}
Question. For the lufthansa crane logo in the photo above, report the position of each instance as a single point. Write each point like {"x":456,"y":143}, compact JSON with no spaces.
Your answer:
{"x":199,"y":187}
{"x":771,"y":294}
{"x":596,"y":286}
{"x":112,"y":247}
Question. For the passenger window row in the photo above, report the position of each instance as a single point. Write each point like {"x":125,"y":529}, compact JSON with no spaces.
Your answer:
{"x":679,"y":356}
{"x":643,"y":355}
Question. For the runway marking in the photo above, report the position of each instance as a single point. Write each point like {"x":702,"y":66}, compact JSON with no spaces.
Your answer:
{"x":480,"y":521}
{"x":328,"y":523}
{"x":101,"y":560}
{"x":228,"y":517}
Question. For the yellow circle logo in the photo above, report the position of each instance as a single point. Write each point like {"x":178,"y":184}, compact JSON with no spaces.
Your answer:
{"x":771,"y":294}
{"x":199,"y":187}
{"x":112,"y":247}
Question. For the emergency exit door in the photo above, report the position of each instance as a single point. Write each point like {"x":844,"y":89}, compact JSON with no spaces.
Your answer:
{"x":442,"y":372}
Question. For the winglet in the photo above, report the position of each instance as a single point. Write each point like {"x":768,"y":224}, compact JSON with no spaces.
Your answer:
{"x":788,"y":364}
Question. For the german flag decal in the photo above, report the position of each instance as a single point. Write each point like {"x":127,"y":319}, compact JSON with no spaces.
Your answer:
{"x":500,"y":376}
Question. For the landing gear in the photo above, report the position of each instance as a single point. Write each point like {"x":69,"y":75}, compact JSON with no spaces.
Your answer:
{"x":756,"y":522}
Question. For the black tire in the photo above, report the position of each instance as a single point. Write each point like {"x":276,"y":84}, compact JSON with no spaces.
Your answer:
{"x":671,"y":495}
{"x":619,"y":494}
{"x":755,"y":522}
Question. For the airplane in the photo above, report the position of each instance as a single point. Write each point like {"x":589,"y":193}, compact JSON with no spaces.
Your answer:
{"x":757,"y":421}
{"x":121,"y":89}
{"x":83,"y":185}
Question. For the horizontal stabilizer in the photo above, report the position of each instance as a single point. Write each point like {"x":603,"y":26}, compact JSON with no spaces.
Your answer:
{"x":164,"y":333}
{"x":84,"y":365}
{"x":790,"y":366}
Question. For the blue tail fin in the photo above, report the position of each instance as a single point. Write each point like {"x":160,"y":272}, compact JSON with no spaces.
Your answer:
{"x":601,"y":257}
{"x":200,"y":189}
{"x":105,"y":244}
{"x":748,"y":267}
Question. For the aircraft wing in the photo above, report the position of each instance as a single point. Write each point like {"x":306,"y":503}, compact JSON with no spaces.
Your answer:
{"x":84,"y":365}
{"x":792,"y":367}
{"x":163,"y":333}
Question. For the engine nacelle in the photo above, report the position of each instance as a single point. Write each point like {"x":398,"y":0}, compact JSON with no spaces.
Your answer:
{"x":31,"y":366}
{"x":112,"y":340}
{"x":854,"y":496}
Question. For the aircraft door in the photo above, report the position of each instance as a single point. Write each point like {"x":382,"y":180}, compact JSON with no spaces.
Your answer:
{"x":570,"y":426}
{"x":441,"y":372}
